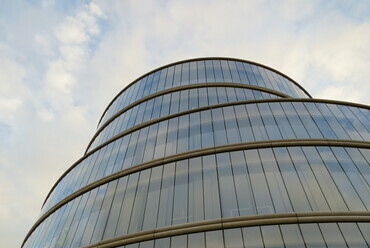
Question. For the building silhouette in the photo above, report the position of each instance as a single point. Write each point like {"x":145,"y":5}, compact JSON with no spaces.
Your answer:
{"x":216,"y":152}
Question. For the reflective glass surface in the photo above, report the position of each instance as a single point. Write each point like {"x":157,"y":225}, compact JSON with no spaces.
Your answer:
{"x":201,"y":72}
{"x":239,"y":183}
{"x":173,"y":103}
{"x":219,"y":126}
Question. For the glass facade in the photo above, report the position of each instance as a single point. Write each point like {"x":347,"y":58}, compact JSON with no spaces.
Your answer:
{"x":220,"y":141}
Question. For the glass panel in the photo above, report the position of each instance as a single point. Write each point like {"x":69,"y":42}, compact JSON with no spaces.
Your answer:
{"x":234,"y":72}
{"x":256,"y":121}
{"x":252,"y":237}
{"x":171,"y":143}
{"x":166,"y":198}
{"x":137,"y":215}
{"x":206,"y":129}
{"x":165,"y":108}
{"x":195,"y":141}
{"x":344,"y":186}
{"x":203,"y":97}
{"x":282,"y":121}
{"x":169,"y":78}
{"x":140,"y":147}
{"x":184,"y":100}
{"x":229,"y":205}
{"x":242,"y":184}
{"x":93,"y":215}
{"x":272,"y":236}
{"x":194,"y":98}
{"x":180,"y":208}
{"x":332,"y":235}
{"x":291,"y":180}
{"x":179,"y":241}
{"x":233,"y":238}
{"x":324,"y":179}
{"x":147,"y":244}
{"x":193,"y":72}
{"x":320,"y":121}
{"x":214,"y":239}
{"x":128,"y":201}
{"x":212,"y":96}
{"x":175,"y":100}
{"x":151,"y":210}
{"x":161,"y":140}
{"x":104,"y":212}
{"x":196,"y":240}
{"x":177,"y":75}
{"x":201,"y":72}
{"x":276,"y":185}
{"x":196,"y":205}
{"x":245,"y":128}
{"x":294,"y":120}
{"x":312,"y":235}
{"x":269,"y":121}
{"x":232,"y":129}
{"x":219,"y":127}
{"x":209,"y":71}
{"x":183,"y":134}
{"x":211,"y":193}
{"x":292,"y":236}
{"x":226,"y":71}
{"x":162,"y":243}
{"x":360,"y":162}
{"x":259,"y":184}
{"x":221,"y":94}
{"x":365,"y":230}
{"x":355,"y":178}
{"x":217,"y":70}
{"x":352,"y":235}
{"x":307,"y":178}
{"x":150,"y":143}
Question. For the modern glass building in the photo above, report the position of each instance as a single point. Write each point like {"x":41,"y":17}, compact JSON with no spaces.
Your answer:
{"x":216,"y":152}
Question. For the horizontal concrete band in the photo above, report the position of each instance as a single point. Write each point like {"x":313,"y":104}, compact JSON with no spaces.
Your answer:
{"x":201,"y":152}
{"x":234,"y":222}
{"x":200,"y":59}
{"x":184,"y":87}
{"x":148,"y":123}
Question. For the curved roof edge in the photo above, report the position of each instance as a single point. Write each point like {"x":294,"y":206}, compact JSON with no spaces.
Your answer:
{"x":199,"y":59}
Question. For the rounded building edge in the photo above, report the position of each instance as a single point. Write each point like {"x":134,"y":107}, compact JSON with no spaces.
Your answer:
{"x":200,"y":59}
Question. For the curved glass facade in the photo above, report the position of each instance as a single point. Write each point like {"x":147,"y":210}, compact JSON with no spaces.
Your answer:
{"x":203,"y":71}
{"x":173,"y":103}
{"x":175,"y":151}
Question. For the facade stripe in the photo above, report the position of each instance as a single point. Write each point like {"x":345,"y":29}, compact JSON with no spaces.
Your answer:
{"x":234,"y":222}
{"x":184,"y":87}
{"x":200,"y":152}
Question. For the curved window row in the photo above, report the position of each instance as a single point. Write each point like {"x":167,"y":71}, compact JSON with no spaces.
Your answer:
{"x":200,"y":72}
{"x":219,"y":126}
{"x":176,"y":102}
{"x":270,"y":236}
{"x":238,"y":183}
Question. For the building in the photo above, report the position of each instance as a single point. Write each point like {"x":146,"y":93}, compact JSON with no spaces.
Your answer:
{"x":216,"y":152}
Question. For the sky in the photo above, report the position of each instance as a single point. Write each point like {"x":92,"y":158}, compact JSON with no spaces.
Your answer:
{"x":61,"y":63}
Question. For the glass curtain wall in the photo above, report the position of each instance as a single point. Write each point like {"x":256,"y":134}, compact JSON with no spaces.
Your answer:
{"x":216,"y":152}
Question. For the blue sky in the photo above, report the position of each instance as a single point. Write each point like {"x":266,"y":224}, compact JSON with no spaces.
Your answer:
{"x":61,"y":62}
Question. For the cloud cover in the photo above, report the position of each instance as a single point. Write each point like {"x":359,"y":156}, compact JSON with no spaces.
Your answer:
{"x":61,"y":62}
